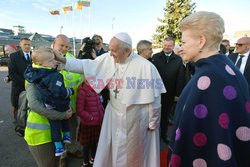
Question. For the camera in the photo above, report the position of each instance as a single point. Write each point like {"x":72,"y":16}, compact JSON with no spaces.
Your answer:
{"x":89,"y":45}
{"x":87,"y":50}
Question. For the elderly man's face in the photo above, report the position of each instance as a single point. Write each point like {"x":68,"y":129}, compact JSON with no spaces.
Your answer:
{"x":243,"y":45}
{"x":147,"y":53}
{"x":25,"y":45}
{"x":61,"y":45}
{"x":168,"y":46}
{"x":9,"y":50}
{"x":119,"y":54}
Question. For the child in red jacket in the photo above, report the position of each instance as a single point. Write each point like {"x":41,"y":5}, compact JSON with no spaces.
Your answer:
{"x":90,"y":111}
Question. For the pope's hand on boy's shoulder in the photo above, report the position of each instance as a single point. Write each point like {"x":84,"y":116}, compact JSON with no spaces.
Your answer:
{"x":59,"y":56}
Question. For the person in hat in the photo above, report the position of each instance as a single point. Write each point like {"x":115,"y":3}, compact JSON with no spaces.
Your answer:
{"x":130,"y":130}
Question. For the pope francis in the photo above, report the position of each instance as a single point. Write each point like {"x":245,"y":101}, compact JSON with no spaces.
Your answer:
{"x":130,"y":130}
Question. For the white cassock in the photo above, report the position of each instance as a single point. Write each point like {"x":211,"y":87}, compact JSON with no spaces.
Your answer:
{"x":125,"y":140}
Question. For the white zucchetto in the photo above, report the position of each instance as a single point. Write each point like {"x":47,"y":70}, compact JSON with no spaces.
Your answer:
{"x":123,"y":36}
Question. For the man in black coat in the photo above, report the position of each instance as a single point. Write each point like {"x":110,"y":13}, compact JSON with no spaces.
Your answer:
{"x":226,"y":43}
{"x":242,"y":57}
{"x":18,"y":63}
{"x":171,"y":69}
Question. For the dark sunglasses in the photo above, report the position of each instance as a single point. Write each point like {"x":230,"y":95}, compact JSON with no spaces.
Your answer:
{"x":239,"y":44}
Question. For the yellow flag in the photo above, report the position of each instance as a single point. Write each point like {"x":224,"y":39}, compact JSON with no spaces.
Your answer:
{"x":79,"y":6}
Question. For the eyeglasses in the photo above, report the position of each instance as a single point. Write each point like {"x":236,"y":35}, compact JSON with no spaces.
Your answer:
{"x":240,"y":44}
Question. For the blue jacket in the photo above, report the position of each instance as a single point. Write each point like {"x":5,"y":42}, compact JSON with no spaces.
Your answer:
{"x":51,"y":86}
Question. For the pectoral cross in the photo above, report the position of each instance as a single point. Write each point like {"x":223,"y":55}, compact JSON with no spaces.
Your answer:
{"x":116,"y":92}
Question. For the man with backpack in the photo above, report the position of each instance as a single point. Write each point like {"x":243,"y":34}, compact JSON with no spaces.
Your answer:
{"x":21,"y":116}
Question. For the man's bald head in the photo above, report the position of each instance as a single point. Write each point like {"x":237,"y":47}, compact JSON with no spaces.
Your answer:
{"x":245,"y":40}
{"x":243,"y":45}
{"x":61,"y":43}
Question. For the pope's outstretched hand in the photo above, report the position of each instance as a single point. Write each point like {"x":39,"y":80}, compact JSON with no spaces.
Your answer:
{"x":59,"y":57}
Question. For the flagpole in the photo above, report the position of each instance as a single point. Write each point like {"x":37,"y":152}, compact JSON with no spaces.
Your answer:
{"x":81,"y":24}
{"x":58,"y":21}
{"x":61,"y":19}
{"x":89,"y":21}
{"x":113,"y":19}
{"x":73,"y":27}
{"x":64,"y":19}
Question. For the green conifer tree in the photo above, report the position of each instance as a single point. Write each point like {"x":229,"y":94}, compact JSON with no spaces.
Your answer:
{"x":174,"y":12}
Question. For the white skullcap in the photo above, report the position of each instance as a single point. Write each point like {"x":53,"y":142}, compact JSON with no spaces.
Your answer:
{"x":124,"y":37}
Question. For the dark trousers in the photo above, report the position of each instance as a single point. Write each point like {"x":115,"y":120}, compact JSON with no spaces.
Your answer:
{"x":166,"y":106}
{"x":89,"y":150}
{"x":56,"y":127}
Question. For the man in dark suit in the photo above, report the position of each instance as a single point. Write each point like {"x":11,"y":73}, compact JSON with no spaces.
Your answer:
{"x":171,"y":69}
{"x":18,"y":62}
{"x":226,"y":43}
{"x":242,"y":57}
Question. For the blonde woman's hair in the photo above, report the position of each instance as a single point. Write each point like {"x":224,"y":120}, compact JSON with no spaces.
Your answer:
{"x":209,"y":24}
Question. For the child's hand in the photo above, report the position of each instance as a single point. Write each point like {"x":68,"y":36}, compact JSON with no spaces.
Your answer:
{"x":68,"y":113}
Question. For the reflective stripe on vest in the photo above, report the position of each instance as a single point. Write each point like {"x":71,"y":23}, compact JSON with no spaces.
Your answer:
{"x":37,"y":126}
{"x":37,"y":130}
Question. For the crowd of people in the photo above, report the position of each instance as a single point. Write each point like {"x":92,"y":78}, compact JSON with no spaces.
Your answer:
{"x":112,"y":108}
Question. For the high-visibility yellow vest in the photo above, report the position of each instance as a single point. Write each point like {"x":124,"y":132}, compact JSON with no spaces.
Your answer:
{"x":37,"y":129}
{"x":72,"y":80}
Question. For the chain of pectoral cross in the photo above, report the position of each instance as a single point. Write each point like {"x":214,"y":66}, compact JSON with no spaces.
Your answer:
{"x":116,"y":91}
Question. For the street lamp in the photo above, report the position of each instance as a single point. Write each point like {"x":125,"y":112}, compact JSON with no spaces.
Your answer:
{"x":113,"y":19}
{"x":61,"y":29}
